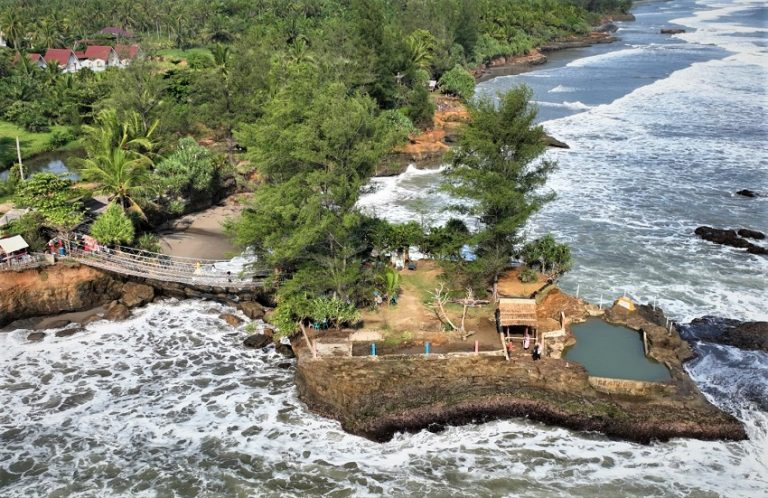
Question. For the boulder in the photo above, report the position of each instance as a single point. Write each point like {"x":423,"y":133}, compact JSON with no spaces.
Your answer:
{"x":748,"y":193}
{"x":118,"y":312}
{"x":553,"y":142}
{"x":285,"y":350}
{"x":753,"y":249}
{"x":68,"y":332}
{"x":231,"y":319}
{"x":137,"y":294}
{"x":672,"y":31}
{"x":721,"y":236}
{"x":252,"y":310}
{"x":607,"y":27}
{"x":750,"y":234}
{"x":257,"y":341}
{"x":36,"y":336}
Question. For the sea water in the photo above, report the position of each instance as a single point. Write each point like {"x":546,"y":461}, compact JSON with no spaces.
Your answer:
{"x":168,"y":403}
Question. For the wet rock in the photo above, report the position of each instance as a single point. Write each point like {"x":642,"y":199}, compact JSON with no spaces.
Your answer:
{"x":91,"y":319}
{"x":68,"y":332}
{"x":750,"y":234}
{"x":231,"y":319}
{"x":753,"y":249}
{"x":285,"y":350}
{"x":257,"y":341}
{"x":672,"y":31}
{"x":284,"y":365}
{"x":36,"y":336}
{"x":252,"y":310}
{"x":721,"y":236}
{"x":744,"y":335}
{"x":118,"y":312}
{"x":747,"y":193}
{"x":607,"y":27}
{"x":553,"y":142}
{"x":137,"y":294}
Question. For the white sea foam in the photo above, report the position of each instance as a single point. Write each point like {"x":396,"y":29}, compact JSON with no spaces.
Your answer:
{"x":562,"y":89}
{"x":169,"y":403}
{"x":573,"y":106}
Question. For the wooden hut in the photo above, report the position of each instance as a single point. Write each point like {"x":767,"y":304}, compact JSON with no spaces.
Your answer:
{"x":515,"y":316}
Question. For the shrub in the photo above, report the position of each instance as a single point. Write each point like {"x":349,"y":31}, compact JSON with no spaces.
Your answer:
{"x":148,"y":242}
{"x":60,"y":138}
{"x":528,"y":275}
{"x":458,"y":81}
{"x":113,"y":226}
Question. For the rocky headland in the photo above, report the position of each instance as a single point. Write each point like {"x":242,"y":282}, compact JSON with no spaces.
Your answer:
{"x":376,"y":397}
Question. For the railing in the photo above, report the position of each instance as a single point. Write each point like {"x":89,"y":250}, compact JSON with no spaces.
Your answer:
{"x":162,"y":267}
{"x":26,"y":262}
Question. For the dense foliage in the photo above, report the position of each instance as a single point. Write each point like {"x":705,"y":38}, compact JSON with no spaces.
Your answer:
{"x":53,"y":199}
{"x":496,"y":176}
{"x":113,"y":226}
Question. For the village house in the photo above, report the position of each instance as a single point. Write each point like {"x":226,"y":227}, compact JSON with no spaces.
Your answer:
{"x":64,"y":57}
{"x":36,"y":59}
{"x":98,"y":57}
{"x":129,"y":53}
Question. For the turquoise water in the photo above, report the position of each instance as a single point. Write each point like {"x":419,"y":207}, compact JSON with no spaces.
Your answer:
{"x":608,"y":350}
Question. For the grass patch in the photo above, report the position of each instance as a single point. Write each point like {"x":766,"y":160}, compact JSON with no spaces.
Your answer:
{"x":31,"y":143}
{"x":182,"y":54}
{"x":397,"y":339}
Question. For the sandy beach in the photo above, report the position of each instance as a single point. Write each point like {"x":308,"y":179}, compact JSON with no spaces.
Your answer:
{"x":201,"y":235}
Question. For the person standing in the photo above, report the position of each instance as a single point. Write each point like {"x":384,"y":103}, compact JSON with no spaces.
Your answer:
{"x":536,"y":354}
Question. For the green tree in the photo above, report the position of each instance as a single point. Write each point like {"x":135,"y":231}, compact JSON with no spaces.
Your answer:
{"x":459,"y":82}
{"x":113,"y":226}
{"x":546,"y":253}
{"x":53,"y":198}
{"x":189,"y":174}
{"x":122,"y":175}
{"x":497,"y":177}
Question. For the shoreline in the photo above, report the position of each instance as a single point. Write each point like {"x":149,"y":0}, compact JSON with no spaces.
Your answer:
{"x":426,"y":150}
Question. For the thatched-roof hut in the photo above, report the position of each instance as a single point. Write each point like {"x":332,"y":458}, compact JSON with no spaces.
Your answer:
{"x":511,"y":312}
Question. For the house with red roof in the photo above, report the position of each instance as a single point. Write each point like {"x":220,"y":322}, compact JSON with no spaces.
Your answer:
{"x":99,"y":57}
{"x":64,"y":57}
{"x":36,"y":59}
{"x":129,"y":53}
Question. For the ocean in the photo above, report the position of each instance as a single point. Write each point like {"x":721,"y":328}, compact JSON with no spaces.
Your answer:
{"x":663,"y":130}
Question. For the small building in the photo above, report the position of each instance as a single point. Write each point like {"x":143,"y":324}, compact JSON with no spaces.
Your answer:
{"x":64,"y":57}
{"x":99,"y":57}
{"x":36,"y":59}
{"x":113,"y":32}
{"x":129,"y":53}
{"x":12,"y":248}
{"x":516,"y":317}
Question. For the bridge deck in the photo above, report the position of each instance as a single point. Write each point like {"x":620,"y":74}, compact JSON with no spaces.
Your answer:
{"x":162,"y":267}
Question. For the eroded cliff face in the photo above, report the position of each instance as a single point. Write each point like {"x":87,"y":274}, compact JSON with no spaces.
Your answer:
{"x":54,"y":289}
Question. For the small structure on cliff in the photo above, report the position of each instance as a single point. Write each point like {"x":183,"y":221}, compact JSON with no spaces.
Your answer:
{"x":12,"y":247}
{"x":517,"y":319}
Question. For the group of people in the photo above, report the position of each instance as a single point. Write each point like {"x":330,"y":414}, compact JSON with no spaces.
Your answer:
{"x":535,"y":353}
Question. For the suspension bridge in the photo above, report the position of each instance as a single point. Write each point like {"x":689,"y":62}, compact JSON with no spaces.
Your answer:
{"x":239,"y":273}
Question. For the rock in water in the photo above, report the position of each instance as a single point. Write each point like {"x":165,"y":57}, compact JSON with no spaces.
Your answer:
{"x":118,"y":312}
{"x":137,"y":294}
{"x":553,"y":142}
{"x":672,"y":31}
{"x":721,"y":236}
{"x":231,"y":319}
{"x":285,"y":350}
{"x":257,"y":341}
{"x":747,"y":193}
{"x":36,"y":336}
{"x":252,"y":310}
{"x":68,"y":332}
{"x":751,"y":234}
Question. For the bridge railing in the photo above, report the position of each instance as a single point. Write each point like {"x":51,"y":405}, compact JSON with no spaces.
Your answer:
{"x":146,"y":264}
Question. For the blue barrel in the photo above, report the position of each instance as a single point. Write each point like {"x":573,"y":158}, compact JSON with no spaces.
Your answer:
{"x":426,"y":348}
{"x":373,"y":349}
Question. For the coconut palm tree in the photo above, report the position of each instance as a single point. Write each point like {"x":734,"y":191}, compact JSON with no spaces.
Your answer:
{"x":48,"y":34}
{"x":15,"y":28}
{"x":110,"y":132}
{"x":122,"y":175}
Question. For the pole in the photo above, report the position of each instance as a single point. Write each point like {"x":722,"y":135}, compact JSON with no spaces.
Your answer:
{"x":654,"y":303}
{"x":578,"y":287}
{"x":426,"y":348}
{"x":601,"y":301}
{"x":309,"y":343}
{"x":477,"y":347}
{"x":18,"y":153}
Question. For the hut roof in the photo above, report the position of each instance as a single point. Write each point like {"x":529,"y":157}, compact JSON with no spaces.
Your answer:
{"x":13,"y":244}
{"x":520,"y":312}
